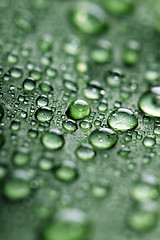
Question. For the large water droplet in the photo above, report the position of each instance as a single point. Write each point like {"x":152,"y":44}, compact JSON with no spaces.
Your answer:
{"x":53,"y":140}
{"x":66,"y":172}
{"x":142,"y":220}
{"x":44,"y":114}
{"x":68,"y":224}
{"x":93,"y":92}
{"x":119,"y":7}
{"x":78,"y":109}
{"x":122,"y":119}
{"x":103,"y":138}
{"x":149,"y":102}
{"x":85,"y":152}
{"x":89,"y":18}
{"x":16,"y":189}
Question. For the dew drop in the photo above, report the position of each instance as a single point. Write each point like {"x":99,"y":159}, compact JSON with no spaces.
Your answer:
{"x":16,"y":189}
{"x":149,"y":102}
{"x":66,"y":172}
{"x":21,"y":158}
{"x":93,"y":92}
{"x":89,"y":18}
{"x":53,"y":140}
{"x":70,"y":125}
{"x":78,"y":109}
{"x":103,"y":138}
{"x":119,"y":7}
{"x":142,"y":220}
{"x":122,"y":119}
{"x":68,"y":224}
{"x":29,"y":85}
{"x":85,"y":152}
{"x":44,"y":114}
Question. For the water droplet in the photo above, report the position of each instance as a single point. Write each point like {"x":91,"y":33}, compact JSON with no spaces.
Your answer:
{"x":131,"y":52}
{"x":32,"y":133}
{"x":24,"y":21}
{"x":100,"y":191}
{"x":36,"y":74}
{"x":149,"y":142}
{"x":72,"y":46}
{"x":16,"y":73}
{"x":151,"y":75}
{"x":78,"y":109}
{"x":93,"y":92}
{"x":144,"y":191}
{"x":157,"y":130}
{"x":66,"y":172}
{"x":16,"y":189}
{"x":15,"y":125}
{"x":21,"y":158}
{"x":45,"y":87}
{"x":51,"y":72}
{"x":89,"y":18}
{"x":85,"y":152}
{"x":70,"y":85}
{"x":45,"y":43}
{"x":142,"y":220}
{"x":103,"y":138}
{"x":45,"y":164}
{"x":70,"y":125}
{"x":119,"y":7}
{"x":103,"y":106}
{"x":101,"y":53}
{"x":114,"y":78}
{"x":68,"y":224}
{"x":53,"y":140}
{"x":42,"y":101}
{"x":122,"y":119}
{"x":12,"y":58}
{"x":44,"y":114}
{"x":85,"y":125}
{"x":149,"y":102}
{"x":29,"y":85}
